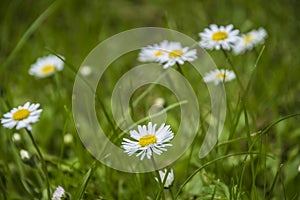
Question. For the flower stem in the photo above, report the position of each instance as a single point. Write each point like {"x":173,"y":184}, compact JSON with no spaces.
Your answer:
{"x":44,"y":167}
{"x":161,"y":191}
{"x":233,"y":68}
{"x":180,"y":69}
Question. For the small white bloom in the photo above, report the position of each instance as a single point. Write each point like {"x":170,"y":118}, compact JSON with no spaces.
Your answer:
{"x":85,"y":70}
{"x":250,"y":40}
{"x":169,"y":179}
{"x":24,"y":154}
{"x":16,"y":137}
{"x":148,"y":140}
{"x":22,"y":116}
{"x":223,"y":37}
{"x":219,"y":75}
{"x":167,"y":53}
{"x":68,"y":138}
{"x":46,"y":66}
{"x":299,"y":168}
{"x":59,"y":193}
{"x":159,"y":102}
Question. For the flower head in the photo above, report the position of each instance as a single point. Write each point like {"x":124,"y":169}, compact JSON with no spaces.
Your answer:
{"x":169,"y":179}
{"x":219,"y":75}
{"x":85,"y":70}
{"x":59,"y":193}
{"x":153,"y":53}
{"x":249,"y":40}
{"x":22,"y":116}
{"x":167,"y":53}
{"x":46,"y":66}
{"x":16,"y":137}
{"x":148,"y":140}
{"x":223,"y":37}
{"x":24,"y":154}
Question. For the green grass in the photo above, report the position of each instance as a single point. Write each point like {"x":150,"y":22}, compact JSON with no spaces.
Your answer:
{"x":257,"y":156}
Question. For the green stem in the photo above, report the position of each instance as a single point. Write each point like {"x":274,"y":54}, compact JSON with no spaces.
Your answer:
{"x":171,"y":193}
{"x":180,"y":69}
{"x":44,"y":167}
{"x":233,"y":68}
{"x":161,"y":191}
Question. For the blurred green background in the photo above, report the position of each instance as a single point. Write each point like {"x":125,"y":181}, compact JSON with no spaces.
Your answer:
{"x":74,"y":28}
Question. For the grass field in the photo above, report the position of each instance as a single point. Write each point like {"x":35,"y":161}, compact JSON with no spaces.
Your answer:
{"x":257,"y":155}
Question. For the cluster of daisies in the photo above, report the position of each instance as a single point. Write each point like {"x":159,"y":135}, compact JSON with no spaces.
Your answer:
{"x":215,"y":37}
{"x":146,"y":140}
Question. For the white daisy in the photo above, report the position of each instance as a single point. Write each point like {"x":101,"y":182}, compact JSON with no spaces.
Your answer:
{"x":46,"y":66}
{"x":219,"y":75}
{"x":169,"y":179}
{"x":148,"y":140}
{"x":167,"y":53}
{"x":153,"y":53}
{"x":218,"y":37}
{"x":22,"y":116}
{"x":59,"y":193}
{"x":250,"y":40}
{"x":175,"y":53}
{"x":24,"y":154}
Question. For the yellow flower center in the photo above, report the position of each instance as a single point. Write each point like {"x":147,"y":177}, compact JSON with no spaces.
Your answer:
{"x":221,"y":75}
{"x":147,"y":139}
{"x":220,"y":35}
{"x":158,"y":53}
{"x":176,"y":53}
{"x":248,"y":38}
{"x":21,"y":114}
{"x":47,"y":69}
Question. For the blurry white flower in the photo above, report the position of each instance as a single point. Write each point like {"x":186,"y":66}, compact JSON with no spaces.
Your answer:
{"x":219,"y":75}
{"x":68,"y":138}
{"x":299,"y":168}
{"x":167,"y":53}
{"x":46,"y":66}
{"x":59,"y":193}
{"x":218,"y":37}
{"x":24,"y":154}
{"x":169,"y":179}
{"x":16,"y":137}
{"x":249,"y":40}
{"x":148,"y":140}
{"x":159,"y":102}
{"x":153,"y":53}
{"x":22,"y":116}
{"x":85,"y":70}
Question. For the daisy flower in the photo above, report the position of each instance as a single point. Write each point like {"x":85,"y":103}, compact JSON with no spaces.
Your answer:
{"x":167,"y":53}
{"x":250,"y":40}
{"x":148,"y":140}
{"x":22,"y":116}
{"x":46,"y":66}
{"x":169,"y":179}
{"x":218,"y":37}
{"x":175,"y":53}
{"x":59,"y":193}
{"x":218,"y":76}
{"x":153,"y":53}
